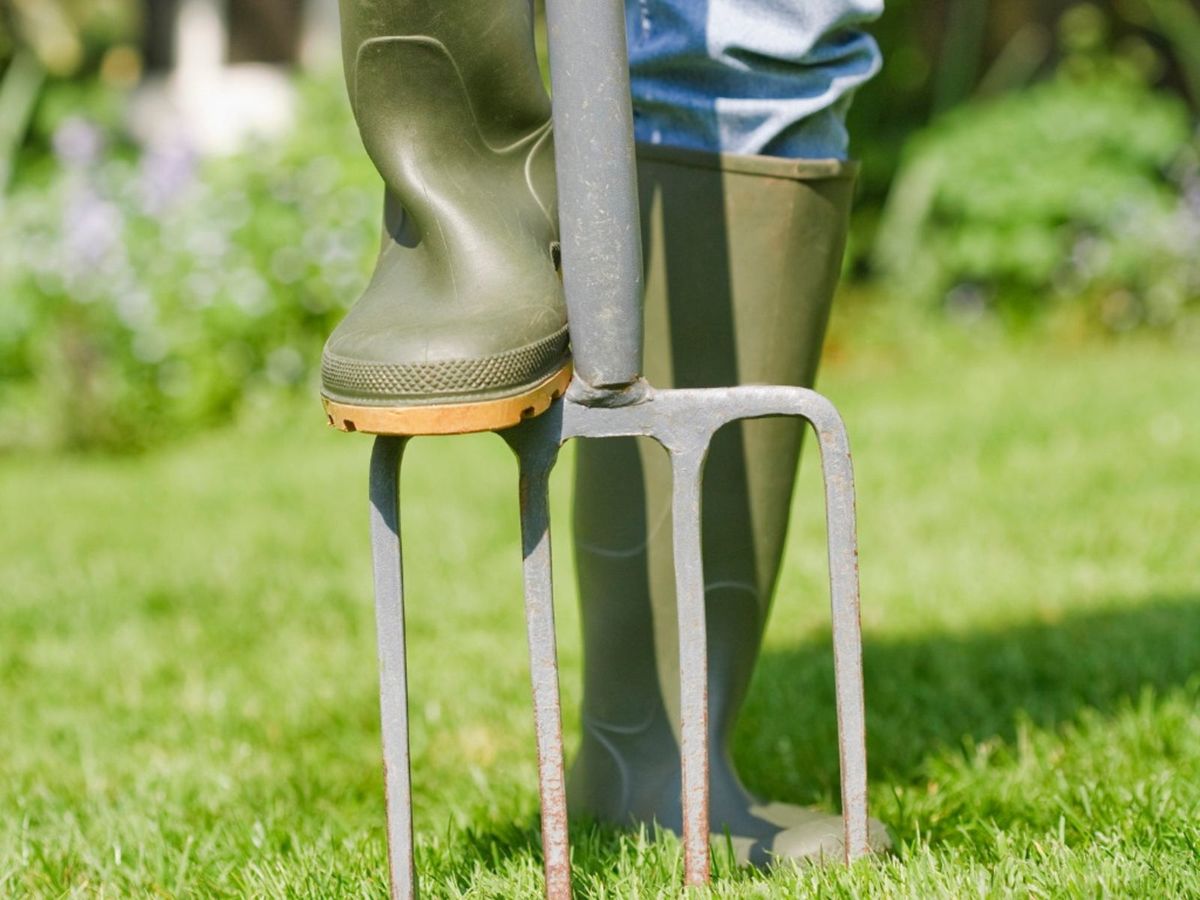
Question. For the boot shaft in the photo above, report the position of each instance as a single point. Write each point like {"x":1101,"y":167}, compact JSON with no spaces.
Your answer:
{"x":491,"y":46}
{"x":742,"y":255}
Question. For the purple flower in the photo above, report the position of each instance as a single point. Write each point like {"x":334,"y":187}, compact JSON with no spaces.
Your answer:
{"x":165,"y":171}
{"x":92,"y":228}
{"x":77,"y":143}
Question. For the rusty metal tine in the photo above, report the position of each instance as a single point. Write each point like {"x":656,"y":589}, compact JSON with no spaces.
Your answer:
{"x":686,"y":472}
{"x":842,"y":538}
{"x":536,"y":453}
{"x":393,"y":675}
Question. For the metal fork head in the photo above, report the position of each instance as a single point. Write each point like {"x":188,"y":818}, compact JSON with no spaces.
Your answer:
{"x":684,"y":422}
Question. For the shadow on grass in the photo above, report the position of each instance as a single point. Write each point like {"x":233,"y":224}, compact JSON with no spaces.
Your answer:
{"x":923,"y":694}
{"x":935,"y":691}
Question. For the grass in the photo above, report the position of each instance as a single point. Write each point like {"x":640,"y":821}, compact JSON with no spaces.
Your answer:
{"x":187,"y":664}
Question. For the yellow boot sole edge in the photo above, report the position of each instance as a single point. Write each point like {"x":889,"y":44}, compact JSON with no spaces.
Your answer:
{"x":449,"y":418}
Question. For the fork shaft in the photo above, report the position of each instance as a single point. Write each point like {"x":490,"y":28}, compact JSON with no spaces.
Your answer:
{"x":599,"y":222}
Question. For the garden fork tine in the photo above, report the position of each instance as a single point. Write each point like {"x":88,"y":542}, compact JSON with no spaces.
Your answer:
{"x":537,"y":451}
{"x":386,"y":456}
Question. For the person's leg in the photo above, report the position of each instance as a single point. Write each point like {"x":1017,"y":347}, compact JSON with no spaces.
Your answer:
{"x":742,"y":254}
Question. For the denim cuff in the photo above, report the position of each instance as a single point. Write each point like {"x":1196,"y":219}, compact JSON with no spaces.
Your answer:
{"x":755,"y":77}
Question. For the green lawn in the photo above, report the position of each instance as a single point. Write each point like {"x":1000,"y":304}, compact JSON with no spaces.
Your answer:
{"x":187,"y":663}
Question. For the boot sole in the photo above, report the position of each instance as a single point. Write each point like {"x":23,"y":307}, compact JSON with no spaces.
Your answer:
{"x":449,"y":418}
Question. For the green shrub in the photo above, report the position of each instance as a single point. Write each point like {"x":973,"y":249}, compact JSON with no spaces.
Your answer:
{"x":1082,"y":190}
{"x":149,"y":293}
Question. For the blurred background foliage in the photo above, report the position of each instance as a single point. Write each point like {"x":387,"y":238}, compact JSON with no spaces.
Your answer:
{"x":1029,"y":164}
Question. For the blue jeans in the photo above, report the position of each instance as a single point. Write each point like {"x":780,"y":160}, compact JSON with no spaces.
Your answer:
{"x":769,"y":77}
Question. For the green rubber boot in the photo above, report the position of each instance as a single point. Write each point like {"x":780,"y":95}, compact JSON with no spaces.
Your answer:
{"x":463,"y":326}
{"x":742,"y":256}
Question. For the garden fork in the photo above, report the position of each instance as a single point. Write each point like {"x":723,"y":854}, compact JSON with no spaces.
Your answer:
{"x":602,"y":271}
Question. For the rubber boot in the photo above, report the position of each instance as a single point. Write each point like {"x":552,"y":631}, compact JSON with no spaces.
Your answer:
{"x":463,"y":325}
{"x":742,"y":255}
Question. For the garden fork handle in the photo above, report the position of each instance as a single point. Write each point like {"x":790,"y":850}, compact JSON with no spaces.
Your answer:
{"x":597,"y":191}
